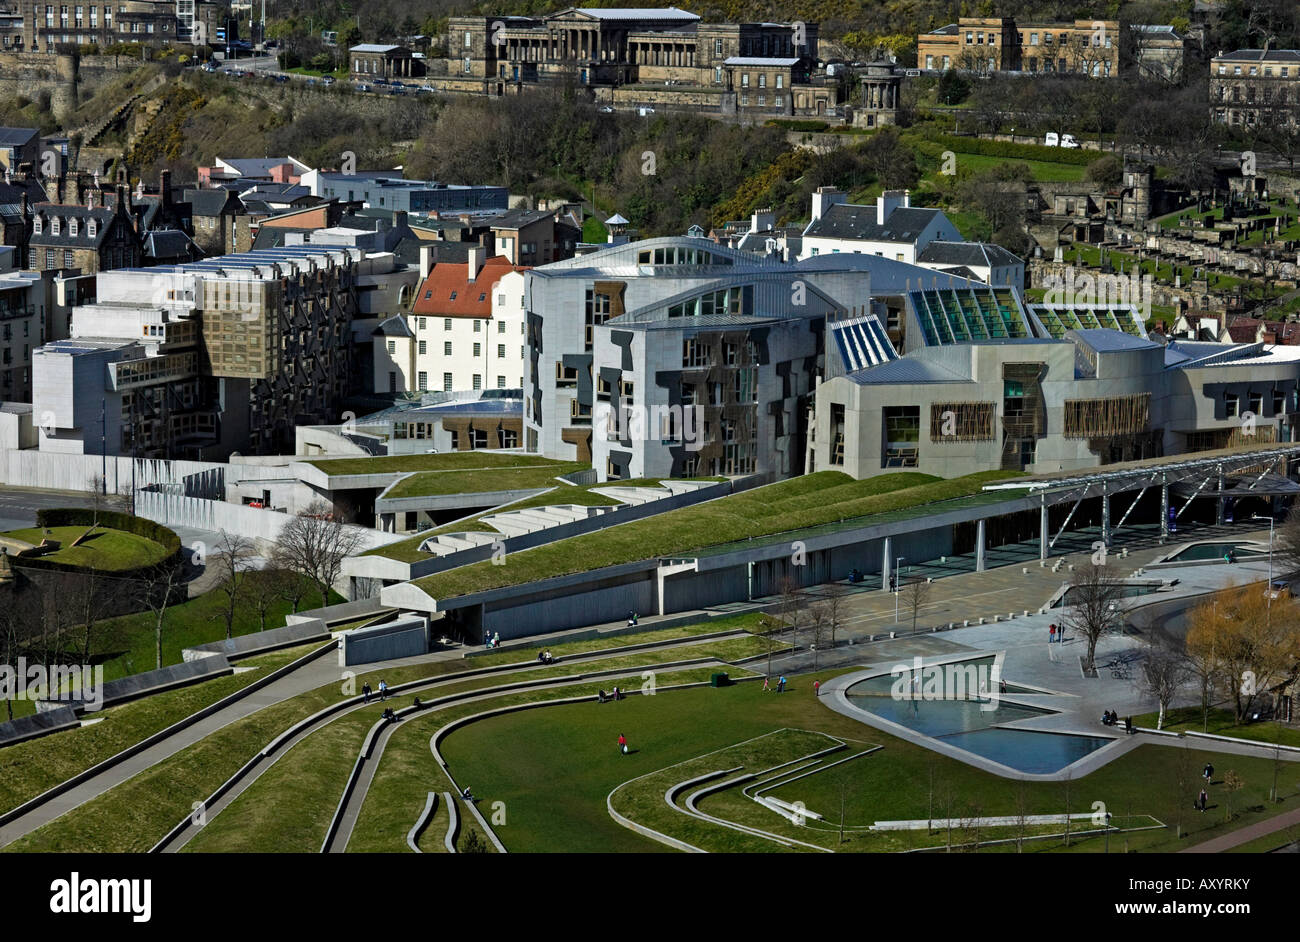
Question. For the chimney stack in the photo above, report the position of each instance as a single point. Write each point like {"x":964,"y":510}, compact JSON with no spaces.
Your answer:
{"x":426,"y":261}
{"x":165,"y":186}
{"x":476,"y":256}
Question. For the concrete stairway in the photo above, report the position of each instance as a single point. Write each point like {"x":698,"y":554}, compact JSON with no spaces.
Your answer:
{"x":510,"y":523}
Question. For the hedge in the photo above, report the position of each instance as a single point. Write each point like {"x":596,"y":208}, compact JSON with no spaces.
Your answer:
{"x":113,"y":520}
{"x":797,"y":125}
{"x":986,"y":148}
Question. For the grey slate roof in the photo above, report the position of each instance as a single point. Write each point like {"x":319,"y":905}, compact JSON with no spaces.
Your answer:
{"x":906,"y":370}
{"x":1109,"y":340}
{"x":848,"y":221}
{"x":985,"y":254}
{"x":394,"y":326}
{"x":16,"y":137}
{"x":170,"y":243}
{"x":208,"y":202}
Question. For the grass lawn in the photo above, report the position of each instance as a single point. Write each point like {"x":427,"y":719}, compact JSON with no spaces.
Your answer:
{"x":34,"y":766}
{"x":105,"y":549}
{"x":1043,"y":170}
{"x":1223,"y":723}
{"x":482,"y":480}
{"x":135,"y":815}
{"x":820,"y":498}
{"x":124,"y":645}
{"x":447,"y":461}
{"x":586,"y":496}
{"x":392,"y":805}
{"x":130,"y":638}
{"x":554,"y":768}
{"x":289,"y":807}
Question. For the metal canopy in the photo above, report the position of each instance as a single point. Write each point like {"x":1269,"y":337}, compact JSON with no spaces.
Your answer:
{"x":1160,"y":471}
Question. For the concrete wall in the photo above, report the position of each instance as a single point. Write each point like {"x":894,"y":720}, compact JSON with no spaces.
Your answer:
{"x":405,"y":637}
{"x":215,"y":515}
{"x":559,"y":610}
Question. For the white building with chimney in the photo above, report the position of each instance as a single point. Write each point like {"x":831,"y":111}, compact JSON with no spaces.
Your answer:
{"x":465,"y":330}
{"x":892,"y":228}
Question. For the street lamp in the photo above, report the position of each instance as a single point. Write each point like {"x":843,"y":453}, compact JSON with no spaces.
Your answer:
{"x":1269,"y":594}
{"x":897,"y":586}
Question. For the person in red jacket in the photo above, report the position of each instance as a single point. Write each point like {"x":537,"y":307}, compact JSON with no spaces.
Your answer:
{"x":622,"y":744}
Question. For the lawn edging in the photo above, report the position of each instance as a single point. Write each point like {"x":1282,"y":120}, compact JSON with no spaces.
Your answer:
{"x":421,"y":823}
{"x":154,"y":739}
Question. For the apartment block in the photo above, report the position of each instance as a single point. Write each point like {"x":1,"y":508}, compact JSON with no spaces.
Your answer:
{"x":1256,"y":86}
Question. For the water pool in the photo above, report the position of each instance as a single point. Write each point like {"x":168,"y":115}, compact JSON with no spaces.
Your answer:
{"x":972,"y":723}
{"x":1198,"y":551}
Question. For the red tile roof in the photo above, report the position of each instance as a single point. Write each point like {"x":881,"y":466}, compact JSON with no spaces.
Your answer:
{"x":448,"y":292}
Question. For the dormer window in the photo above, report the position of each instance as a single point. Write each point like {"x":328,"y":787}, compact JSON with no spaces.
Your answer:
{"x":54,"y":226}
{"x":38,"y":225}
{"x":91,"y":227}
{"x":72,"y":226}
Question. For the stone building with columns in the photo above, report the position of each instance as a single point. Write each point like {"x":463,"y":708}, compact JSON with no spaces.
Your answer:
{"x":372,"y":61}
{"x":881,"y":84}
{"x":666,"y":53}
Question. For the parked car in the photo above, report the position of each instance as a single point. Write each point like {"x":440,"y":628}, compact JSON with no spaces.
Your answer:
{"x":606,"y":109}
{"x":327,"y":80}
{"x":1279,"y":589}
{"x":363,"y":87}
{"x":645,"y":110}
{"x":913,"y":73}
{"x":1067,"y":140}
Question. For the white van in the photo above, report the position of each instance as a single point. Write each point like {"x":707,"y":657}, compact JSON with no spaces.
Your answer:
{"x":1067,"y":140}
{"x":1053,"y":139}
{"x":645,"y":110}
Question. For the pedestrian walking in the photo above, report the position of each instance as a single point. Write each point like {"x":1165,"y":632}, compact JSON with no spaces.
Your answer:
{"x":1209,"y":772}
{"x":1201,"y":800}
{"x":496,"y":639}
{"x":365,"y":692}
{"x":1051,"y":633}
{"x":766,"y":685}
{"x":622,"y":744}
{"x":780,"y":684}
{"x":383,"y":690}
{"x":817,"y":688}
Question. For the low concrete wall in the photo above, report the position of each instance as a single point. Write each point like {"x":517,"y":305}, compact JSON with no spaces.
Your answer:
{"x":149,"y":741}
{"x":301,"y":632}
{"x":405,"y":637}
{"x":150,"y":682}
{"x":40,"y":723}
{"x":217,"y":515}
{"x":335,"y":614}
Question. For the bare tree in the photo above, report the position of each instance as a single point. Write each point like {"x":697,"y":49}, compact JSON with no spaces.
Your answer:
{"x":156,"y":592}
{"x":230,"y":563}
{"x":916,"y":593}
{"x":1232,"y":783}
{"x":266,"y":587}
{"x":288,"y":583}
{"x":1164,"y":672}
{"x":833,"y":597}
{"x":1094,"y":595}
{"x":315,"y":544}
{"x":791,"y":607}
{"x":820,"y":629}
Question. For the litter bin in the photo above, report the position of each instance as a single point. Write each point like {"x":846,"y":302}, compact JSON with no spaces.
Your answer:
{"x":719,"y":679}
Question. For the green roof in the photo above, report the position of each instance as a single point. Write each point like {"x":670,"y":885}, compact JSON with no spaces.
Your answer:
{"x":445,"y":461}
{"x":824,"y":499}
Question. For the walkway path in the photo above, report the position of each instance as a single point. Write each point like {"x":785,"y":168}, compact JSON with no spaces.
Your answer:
{"x":1247,"y":834}
{"x":184,"y":836}
{"x":318,"y":673}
